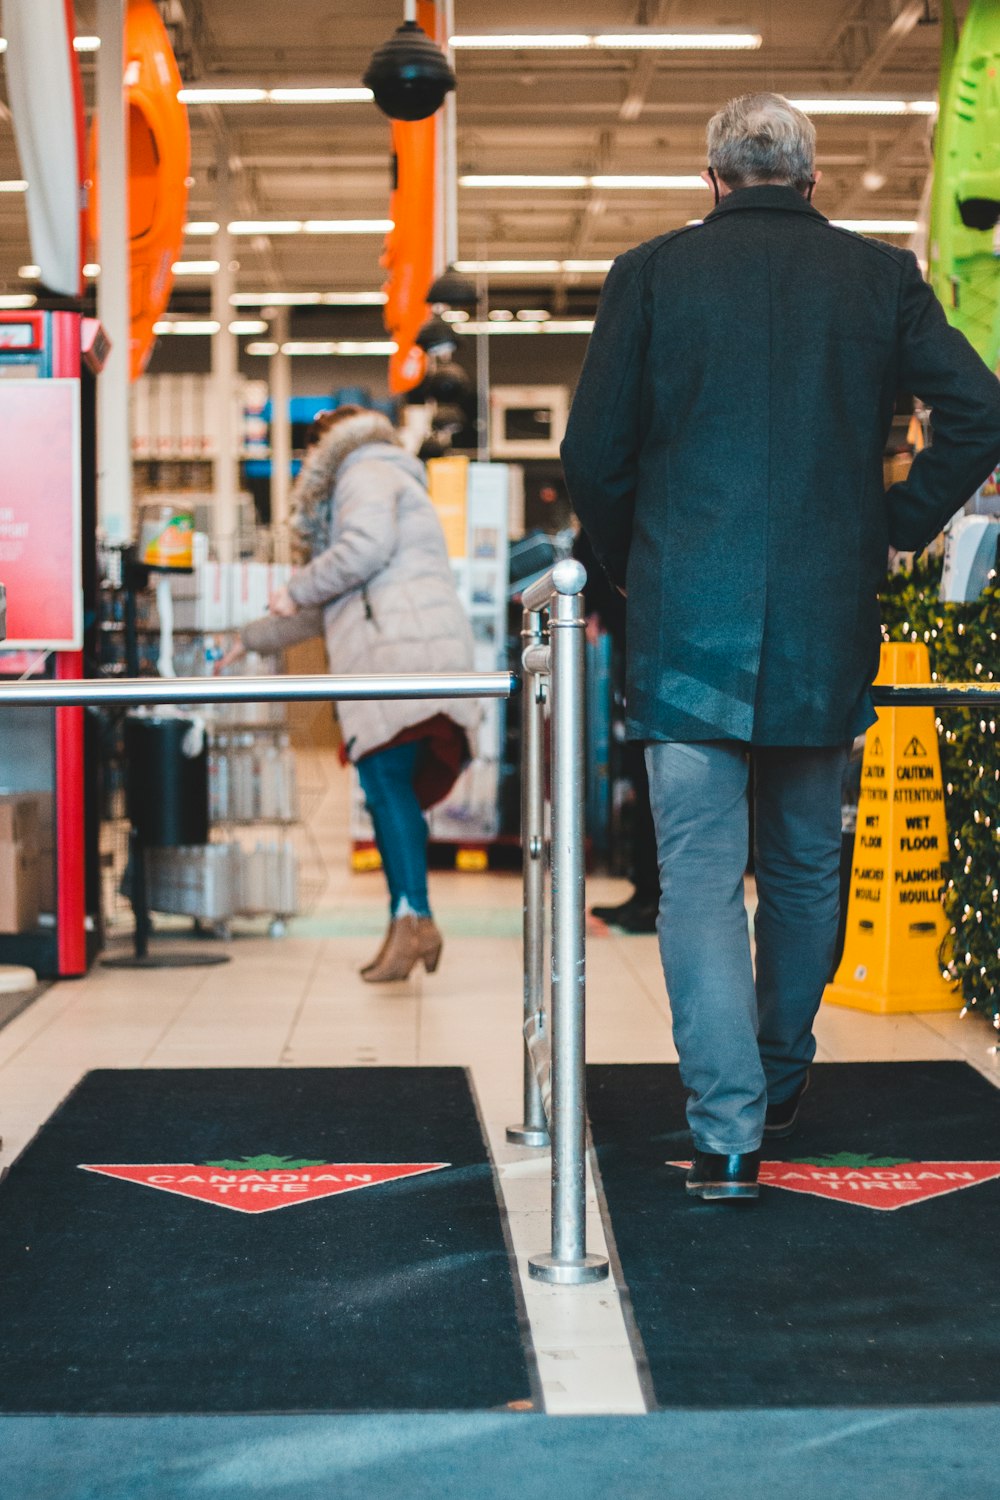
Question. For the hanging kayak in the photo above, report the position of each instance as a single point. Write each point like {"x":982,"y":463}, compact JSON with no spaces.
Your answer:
{"x":409,"y":248}
{"x":965,"y":203}
{"x":46,"y":104}
{"x":159,"y":147}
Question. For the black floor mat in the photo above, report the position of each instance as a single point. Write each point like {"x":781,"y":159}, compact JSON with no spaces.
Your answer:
{"x":365,"y":1267}
{"x":866,"y":1274}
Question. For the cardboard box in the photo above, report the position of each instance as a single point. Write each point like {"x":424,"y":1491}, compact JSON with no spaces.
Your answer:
{"x":18,"y":887}
{"x":19,"y":818}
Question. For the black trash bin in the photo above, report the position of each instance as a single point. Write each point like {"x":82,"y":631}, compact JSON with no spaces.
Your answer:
{"x":166,"y":790}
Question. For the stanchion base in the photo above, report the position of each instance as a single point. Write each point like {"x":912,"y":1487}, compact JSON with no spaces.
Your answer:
{"x":167,"y":961}
{"x":568,"y":1272}
{"x":527,"y":1135}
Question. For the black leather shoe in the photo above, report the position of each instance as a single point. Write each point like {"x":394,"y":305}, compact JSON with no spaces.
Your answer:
{"x":717,"y":1177}
{"x":781,"y":1119}
{"x":632,"y":916}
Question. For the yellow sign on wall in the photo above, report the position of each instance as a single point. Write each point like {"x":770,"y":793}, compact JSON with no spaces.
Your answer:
{"x":448,"y":484}
{"x":895,"y":920}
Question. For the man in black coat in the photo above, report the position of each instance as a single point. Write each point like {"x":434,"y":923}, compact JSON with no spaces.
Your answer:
{"x":724,"y":454}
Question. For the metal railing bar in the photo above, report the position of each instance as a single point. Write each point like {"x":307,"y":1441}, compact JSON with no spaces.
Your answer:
{"x":164,"y":690}
{"x":537,"y":660}
{"x":567,"y":577}
{"x":936,"y":695}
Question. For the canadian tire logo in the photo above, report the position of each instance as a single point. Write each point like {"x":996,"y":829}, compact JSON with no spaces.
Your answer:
{"x":261,"y":1184}
{"x":880,"y":1182}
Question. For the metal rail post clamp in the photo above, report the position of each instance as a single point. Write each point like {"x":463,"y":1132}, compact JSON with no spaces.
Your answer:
{"x":554,"y":1039}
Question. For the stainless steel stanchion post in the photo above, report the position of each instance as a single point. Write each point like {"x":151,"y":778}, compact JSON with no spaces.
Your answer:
{"x":568,"y":1263}
{"x":534,"y":1130}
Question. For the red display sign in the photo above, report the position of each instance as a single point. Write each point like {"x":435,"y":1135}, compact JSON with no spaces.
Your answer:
{"x":259,"y":1188}
{"x":40,"y":540}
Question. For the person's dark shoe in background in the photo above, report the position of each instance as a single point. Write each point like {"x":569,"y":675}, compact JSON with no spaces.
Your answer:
{"x":633,"y":915}
{"x":721,"y":1177}
{"x":781,"y":1119}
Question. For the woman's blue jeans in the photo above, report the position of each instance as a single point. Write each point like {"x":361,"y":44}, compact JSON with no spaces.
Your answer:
{"x":400,"y":827}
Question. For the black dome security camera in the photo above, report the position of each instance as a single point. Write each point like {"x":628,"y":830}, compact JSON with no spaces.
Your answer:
{"x":409,"y":75}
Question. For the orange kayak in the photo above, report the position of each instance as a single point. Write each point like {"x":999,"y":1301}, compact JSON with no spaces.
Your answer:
{"x":159,"y":144}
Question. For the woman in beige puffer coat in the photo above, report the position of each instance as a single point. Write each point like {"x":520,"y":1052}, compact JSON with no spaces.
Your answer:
{"x":379,"y":587}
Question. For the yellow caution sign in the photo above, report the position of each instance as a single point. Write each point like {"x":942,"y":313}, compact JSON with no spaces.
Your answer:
{"x":895,"y":920}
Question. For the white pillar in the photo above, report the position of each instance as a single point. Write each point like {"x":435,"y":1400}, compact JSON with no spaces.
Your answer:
{"x":224,"y":373}
{"x":450,"y":154}
{"x":114,"y":437}
{"x":280,"y":383}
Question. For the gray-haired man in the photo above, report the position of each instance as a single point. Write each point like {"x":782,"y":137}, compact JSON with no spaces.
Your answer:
{"x":724,"y":454}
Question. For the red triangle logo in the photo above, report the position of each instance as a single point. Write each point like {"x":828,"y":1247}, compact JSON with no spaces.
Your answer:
{"x":253,"y":1190}
{"x":885,"y":1183}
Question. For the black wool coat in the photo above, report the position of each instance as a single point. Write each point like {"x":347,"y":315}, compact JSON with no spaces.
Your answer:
{"x":724,"y":454}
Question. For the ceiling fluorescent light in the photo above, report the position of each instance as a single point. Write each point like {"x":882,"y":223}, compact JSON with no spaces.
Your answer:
{"x":877,"y":226}
{"x":16,"y":302}
{"x":339,"y":347}
{"x":866,"y":106}
{"x":195,"y":267}
{"x":86,"y":44}
{"x":193,"y":327}
{"x":665,"y":41}
{"x":308,"y":299}
{"x":508,"y":267}
{"x":682,"y":182}
{"x":521,"y":180}
{"x":222,"y":96}
{"x":518,"y":40}
{"x":248,"y":325}
{"x":212,"y":94}
{"x":263,"y":349}
{"x":3,"y":44}
{"x":266,"y":226}
{"x":92,"y":270}
{"x":201,"y":226}
{"x":530,"y":267}
{"x":276,"y":299}
{"x":565,"y":325}
{"x":348,"y":226}
{"x":534,"y":315}
{"x":29,"y":273}
{"x":14,"y":185}
{"x":681,"y":41}
{"x":320,"y":96}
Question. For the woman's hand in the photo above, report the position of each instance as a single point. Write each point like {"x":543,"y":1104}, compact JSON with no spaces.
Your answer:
{"x":235,"y":653}
{"x":281,"y":603}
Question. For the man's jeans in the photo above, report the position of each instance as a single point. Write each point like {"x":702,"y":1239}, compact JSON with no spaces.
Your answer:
{"x":743,"y":1045}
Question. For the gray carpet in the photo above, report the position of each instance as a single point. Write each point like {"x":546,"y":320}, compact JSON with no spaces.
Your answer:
{"x":913,"y":1454}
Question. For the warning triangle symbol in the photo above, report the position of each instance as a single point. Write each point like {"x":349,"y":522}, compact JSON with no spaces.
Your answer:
{"x":915,"y":750}
{"x":877,"y":746}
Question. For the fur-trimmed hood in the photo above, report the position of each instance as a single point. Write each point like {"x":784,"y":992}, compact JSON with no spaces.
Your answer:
{"x":318,"y":475}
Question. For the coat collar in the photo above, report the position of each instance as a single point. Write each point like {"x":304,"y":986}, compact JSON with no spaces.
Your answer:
{"x":787,"y":199}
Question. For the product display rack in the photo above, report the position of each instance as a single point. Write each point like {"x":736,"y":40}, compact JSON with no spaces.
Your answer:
{"x":262,"y":859}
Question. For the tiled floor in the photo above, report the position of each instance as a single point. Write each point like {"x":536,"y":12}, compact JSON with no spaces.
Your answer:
{"x":298,"y":1001}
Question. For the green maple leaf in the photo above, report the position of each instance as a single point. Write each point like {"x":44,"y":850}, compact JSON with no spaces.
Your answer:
{"x":851,"y":1159}
{"x":264,"y":1163}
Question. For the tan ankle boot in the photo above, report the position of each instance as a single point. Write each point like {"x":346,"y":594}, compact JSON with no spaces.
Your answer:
{"x":380,"y":955}
{"x":411,"y":940}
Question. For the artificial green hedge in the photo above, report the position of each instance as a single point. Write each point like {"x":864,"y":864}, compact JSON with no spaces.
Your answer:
{"x":963,"y":647}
